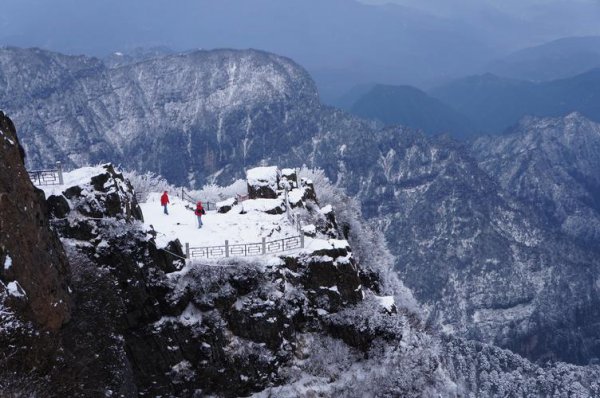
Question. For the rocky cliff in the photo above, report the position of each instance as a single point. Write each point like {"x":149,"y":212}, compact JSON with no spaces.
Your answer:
{"x":34,"y":271}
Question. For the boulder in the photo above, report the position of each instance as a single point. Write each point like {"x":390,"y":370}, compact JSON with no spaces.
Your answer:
{"x":226,"y":205}
{"x":263,"y":182}
{"x":289,"y":179}
{"x":269,"y":206}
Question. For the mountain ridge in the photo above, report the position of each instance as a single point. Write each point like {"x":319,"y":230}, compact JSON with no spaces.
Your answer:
{"x":411,"y":107}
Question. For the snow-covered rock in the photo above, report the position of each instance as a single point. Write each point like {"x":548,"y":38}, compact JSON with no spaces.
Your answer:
{"x":226,"y":205}
{"x":263,"y":182}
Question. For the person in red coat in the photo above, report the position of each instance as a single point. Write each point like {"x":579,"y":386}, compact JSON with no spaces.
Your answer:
{"x":199,"y":213}
{"x":164,"y":201}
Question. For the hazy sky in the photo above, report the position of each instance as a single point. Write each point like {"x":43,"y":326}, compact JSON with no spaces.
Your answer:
{"x":341,"y":42}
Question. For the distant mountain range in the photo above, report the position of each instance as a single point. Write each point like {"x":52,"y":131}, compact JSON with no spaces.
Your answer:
{"x":496,"y":103}
{"x":557,"y":59}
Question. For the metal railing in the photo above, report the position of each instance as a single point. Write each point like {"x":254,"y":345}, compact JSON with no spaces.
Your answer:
{"x":246,"y":249}
{"x":47,"y":177}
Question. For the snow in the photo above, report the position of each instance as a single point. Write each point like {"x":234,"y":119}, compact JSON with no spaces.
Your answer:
{"x":296,"y":195}
{"x":181,"y":223}
{"x":226,"y":203}
{"x":7,"y":263}
{"x":262,"y":205}
{"x":191,"y":316}
{"x":80,"y":177}
{"x":15,"y":290}
{"x":309,"y":229}
{"x":386,"y":302}
{"x":339,"y":244}
{"x":327,"y":209}
{"x":263,"y":176}
{"x":288,"y":172}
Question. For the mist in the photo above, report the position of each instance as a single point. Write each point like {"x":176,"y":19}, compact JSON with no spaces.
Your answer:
{"x":343,"y":43}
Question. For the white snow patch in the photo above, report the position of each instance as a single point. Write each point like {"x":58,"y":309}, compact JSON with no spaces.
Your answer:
{"x":15,"y":289}
{"x":327,"y":209}
{"x":262,"y":205}
{"x":386,"y":302}
{"x":7,"y":262}
{"x":295,"y":195}
{"x":191,"y":316}
{"x":309,"y":229}
{"x":182,"y":224}
{"x":263,"y":177}
{"x":226,"y":203}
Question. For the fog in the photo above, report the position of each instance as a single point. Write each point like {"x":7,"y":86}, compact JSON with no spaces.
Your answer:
{"x":341,"y":42}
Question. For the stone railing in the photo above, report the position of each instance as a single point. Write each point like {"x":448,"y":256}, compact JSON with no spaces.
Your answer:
{"x":47,"y":177}
{"x":246,"y":249}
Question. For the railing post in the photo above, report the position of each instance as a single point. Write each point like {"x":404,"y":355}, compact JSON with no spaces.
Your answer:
{"x":264,"y":246}
{"x":287,"y":204}
{"x":187,"y":250}
{"x":226,"y":248}
{"x":60,"y":173}
{"x":302,"y":240}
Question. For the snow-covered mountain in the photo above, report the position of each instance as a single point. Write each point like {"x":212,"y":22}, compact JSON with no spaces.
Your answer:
{"x":328,"y":319}
{"x":481,"y":256}
{"x":187,"y":116}
{"x":488,"y":265}
{"x":552,"y":163}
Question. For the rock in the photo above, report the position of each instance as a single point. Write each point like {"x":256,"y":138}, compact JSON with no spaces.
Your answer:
{"x":58,"y":207}
{"x":289,"y":179}
{"x":262,"y":182}
{"x":39,"y":264}
{"x":226,"y":205}
{"x":269,"y":206}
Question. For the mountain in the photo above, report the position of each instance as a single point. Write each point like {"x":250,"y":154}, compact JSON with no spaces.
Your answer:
{"x":551,"y":163}
{"x":558,"y":59}
{"x":494,"y":103}
{"x":486,"y":263}
{"x":328,"y":319}
{"x":212,"y":111}
{"x":348,"y":99}
{"x":387,"y":47}
{"x":411,"y":107}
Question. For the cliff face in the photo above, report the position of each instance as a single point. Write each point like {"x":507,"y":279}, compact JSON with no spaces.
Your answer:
{"x":214,"y":111}
{"x":34,"y":272}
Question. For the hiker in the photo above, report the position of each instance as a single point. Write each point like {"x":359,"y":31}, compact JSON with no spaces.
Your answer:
{"x":199,"y":213}
{"x":164,"y":201}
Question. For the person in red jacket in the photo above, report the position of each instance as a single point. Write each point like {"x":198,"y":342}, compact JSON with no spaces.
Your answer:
{"x":199,"y":213}
{"x":164,"y":201}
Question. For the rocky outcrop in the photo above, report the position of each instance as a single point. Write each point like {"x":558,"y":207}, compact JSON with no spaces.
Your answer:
{"x":177,"y":329}
{"x":34,"y":272}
